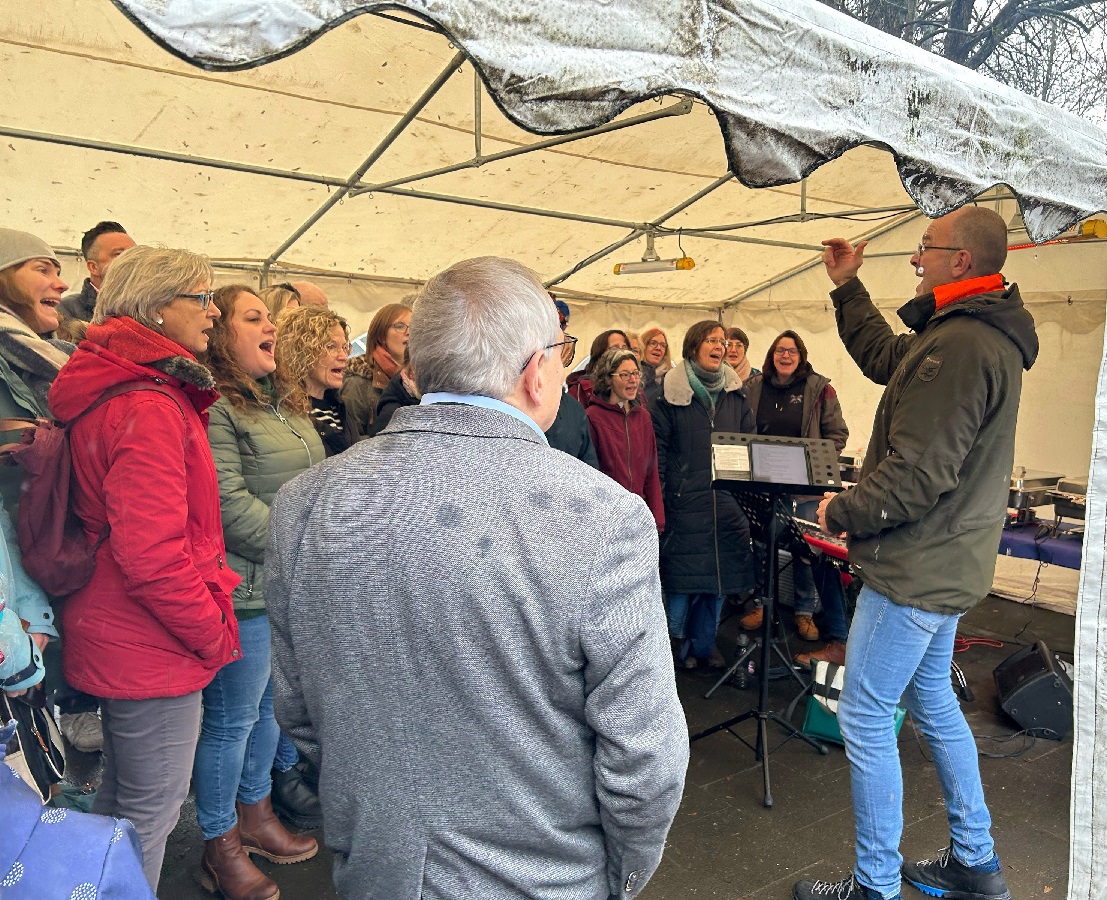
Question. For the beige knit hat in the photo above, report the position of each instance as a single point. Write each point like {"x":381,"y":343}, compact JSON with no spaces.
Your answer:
{"x":17,"y":247}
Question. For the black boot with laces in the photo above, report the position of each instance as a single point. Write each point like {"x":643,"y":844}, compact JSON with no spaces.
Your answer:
{"x":846,"y":889}
{"x":948,"y":877}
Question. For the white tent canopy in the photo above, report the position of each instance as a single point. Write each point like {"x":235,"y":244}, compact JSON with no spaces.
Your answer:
{"x":368,"y":152}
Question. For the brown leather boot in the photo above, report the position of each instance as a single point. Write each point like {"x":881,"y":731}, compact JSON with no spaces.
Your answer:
{"x":226,"y":869}
{"x":263,"y":834}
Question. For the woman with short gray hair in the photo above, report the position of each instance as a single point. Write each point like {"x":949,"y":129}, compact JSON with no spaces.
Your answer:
{"x":155,"y":621}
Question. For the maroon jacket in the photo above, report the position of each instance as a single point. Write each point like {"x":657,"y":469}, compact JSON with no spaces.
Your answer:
{"x":627,"y":450}
{"x":156,"y":618}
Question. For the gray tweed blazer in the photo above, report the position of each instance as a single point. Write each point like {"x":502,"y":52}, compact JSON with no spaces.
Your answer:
{"x":469,"y":640}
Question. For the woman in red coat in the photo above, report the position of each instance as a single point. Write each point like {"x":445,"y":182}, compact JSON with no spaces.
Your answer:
{"x":622,"y":430}
{"x":155,"y":622}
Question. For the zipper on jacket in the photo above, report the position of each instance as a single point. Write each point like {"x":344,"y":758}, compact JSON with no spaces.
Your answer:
{"x":250,"y":583}
{"x":715,"y":520}
{"x":286,"y":424}
{"x":626,"y":428}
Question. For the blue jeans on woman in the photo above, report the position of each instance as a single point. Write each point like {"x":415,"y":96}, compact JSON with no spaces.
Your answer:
{"x":694,"y":618}
{"x":899,"y":651}
{"x":238,"y":736}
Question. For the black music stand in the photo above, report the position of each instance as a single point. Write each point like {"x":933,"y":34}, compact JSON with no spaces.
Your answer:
{"x":766,"y":514}
{"x":759,"y":510}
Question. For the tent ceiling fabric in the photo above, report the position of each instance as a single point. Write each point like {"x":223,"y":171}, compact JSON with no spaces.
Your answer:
{"x":77,"y":72}
{"x":792,"y":87}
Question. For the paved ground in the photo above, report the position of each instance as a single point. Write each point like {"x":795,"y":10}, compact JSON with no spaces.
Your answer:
{"x":725,"y":844}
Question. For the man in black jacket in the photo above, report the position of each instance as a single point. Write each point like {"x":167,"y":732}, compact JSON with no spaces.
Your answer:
{"x":100,"y":246}
{"x":923,"y":525}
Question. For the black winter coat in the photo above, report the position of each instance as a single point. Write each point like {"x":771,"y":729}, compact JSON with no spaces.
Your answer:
{"x":706,"y":545}
{"x":569,"y":432}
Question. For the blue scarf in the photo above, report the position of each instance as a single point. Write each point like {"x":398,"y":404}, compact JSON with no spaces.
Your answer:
{"x":705,"y":385}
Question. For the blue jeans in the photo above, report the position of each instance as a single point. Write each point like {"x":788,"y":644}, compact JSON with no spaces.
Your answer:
{"x":833,"y":626}
{"x":695,"y":618}
{"x":238,"y":736}
{"x":287,"y":755}
{"x":896,"y":651}
{"x":803,"y":580}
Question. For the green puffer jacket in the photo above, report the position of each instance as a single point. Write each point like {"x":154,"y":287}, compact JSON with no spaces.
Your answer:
{"x":256,"y":450}
{"x":924,"y":521}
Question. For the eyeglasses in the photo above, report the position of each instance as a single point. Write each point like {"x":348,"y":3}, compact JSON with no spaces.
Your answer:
{"x":922,"y":248}
{"x":718,"y":342}
{"x":657,"y":345}
{"x":570,"y":342}
{"x":402,"y":327}
{"x":338,"y":349}
{"x":627,"y":376}
{"x":785,"y":351}
{"x":205,"y":298}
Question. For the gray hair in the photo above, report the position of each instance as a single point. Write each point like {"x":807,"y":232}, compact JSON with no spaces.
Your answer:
{"x":144,"y":280}
{"x":475,"y":326}
{"x":605,"y":367}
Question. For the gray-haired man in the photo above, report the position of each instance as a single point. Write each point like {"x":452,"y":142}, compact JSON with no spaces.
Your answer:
{"x":493,"y":715}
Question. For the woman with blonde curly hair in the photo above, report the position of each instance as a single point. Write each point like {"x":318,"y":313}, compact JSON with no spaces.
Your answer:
{"x":313,"y":347}
{"x":261,"y":437}
{"x":368,"y":375}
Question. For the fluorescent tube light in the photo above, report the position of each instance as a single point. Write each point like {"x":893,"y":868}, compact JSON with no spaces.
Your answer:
{"x":680,"y":263}
{"x":652,"y":263}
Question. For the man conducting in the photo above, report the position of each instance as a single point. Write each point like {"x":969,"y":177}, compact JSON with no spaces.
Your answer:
{"x":923,"y":526}
{"x":490,"y":699}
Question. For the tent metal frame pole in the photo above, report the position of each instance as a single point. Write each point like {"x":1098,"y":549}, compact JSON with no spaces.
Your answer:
{"x":169,"y":156}
{"x":678,"y":109}
{"x":511,"y":207}
{"x":638,"y":232}
{"x":476,"y":113}
{"x":408,"y":117}
{"x":764,"y":242}
{"x":810,"y":264}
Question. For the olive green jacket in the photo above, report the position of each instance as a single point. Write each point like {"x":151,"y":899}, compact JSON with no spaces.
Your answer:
{"x":256,"y":450}
{"x":924,"y":520}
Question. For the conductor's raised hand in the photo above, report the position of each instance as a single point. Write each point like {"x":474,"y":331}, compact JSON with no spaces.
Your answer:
{"x":842,"y":259}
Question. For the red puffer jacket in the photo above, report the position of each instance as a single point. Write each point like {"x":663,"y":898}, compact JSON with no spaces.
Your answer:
{"x":156,"y":618}
{"x":627,"y":450}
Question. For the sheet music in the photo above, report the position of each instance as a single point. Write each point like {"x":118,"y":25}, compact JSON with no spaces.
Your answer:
{"x":730,"y":461}
{"x":780,"y":463}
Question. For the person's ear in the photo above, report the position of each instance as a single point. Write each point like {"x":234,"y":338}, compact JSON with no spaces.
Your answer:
{"x":961,"y":263}
{"x":533,"y":378}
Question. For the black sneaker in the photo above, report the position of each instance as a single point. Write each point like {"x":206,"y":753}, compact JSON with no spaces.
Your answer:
{"x":948,"y":877}
{"x":846,"y":889}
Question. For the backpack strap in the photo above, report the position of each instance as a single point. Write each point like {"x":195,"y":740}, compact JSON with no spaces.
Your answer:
{"x":125,"y":387}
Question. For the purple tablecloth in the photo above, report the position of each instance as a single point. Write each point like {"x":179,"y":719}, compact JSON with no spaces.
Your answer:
{"x":1063,"y":550}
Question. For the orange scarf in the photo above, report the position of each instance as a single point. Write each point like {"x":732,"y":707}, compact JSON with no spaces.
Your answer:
{"x":384,"y":361}
{"x":945,"y":294}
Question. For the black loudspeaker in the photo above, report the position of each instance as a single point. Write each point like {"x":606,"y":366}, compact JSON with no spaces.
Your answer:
{"x":1036,"y":692}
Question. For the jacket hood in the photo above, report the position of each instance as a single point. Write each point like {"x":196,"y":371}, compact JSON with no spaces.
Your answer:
{"x":1002,"y":310}
{"x":677,"y":389}
{"x":122,"y":350}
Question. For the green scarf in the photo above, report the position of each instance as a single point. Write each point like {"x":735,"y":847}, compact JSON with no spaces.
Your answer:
{"x":705,"y":385}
